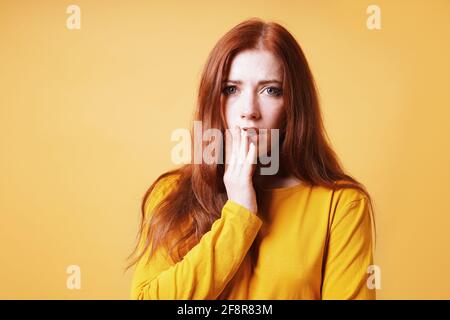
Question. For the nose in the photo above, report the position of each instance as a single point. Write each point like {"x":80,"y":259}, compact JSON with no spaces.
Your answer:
{"x":250,"y":108}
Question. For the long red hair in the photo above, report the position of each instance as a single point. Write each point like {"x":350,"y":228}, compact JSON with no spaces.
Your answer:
{"x":199,"y":194}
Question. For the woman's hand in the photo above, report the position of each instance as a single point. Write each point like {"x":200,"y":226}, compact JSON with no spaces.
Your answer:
{"x":240,"y":163}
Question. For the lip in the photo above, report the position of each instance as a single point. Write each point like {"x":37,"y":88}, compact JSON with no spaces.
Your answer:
{"x":249,"y":128}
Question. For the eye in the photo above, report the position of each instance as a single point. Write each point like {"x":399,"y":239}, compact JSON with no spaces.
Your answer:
{"x":229,"y":90}
{"x":274,"y":91}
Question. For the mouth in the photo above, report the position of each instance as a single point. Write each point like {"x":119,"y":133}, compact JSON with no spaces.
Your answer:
{"x":252,"y":131}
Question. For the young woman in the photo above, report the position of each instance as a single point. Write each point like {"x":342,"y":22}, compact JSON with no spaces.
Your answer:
{"x":227,"y":231}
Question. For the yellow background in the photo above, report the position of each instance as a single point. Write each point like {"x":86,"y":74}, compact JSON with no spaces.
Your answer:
{"x":86,"y":117}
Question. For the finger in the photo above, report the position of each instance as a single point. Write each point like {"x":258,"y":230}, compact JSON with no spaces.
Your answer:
{"x":231,"y":146}
{"x":228,"y":145}
{"x":251,"y":158}
{"x":243,"y":147}
{"x":237,"y":139}
{"x":235,"y":144}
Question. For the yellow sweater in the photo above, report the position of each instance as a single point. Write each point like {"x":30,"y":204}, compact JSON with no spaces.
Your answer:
{"x":313,"y":243}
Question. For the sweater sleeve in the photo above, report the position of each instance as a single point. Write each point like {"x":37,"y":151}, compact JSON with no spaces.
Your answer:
{"x":207,"y":268}
{"x":349,"y":254}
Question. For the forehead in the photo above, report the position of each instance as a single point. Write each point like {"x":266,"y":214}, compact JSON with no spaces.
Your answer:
{"x":255,"y":65}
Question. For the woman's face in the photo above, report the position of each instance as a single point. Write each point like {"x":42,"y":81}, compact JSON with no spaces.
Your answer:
{"x":252,"y":94}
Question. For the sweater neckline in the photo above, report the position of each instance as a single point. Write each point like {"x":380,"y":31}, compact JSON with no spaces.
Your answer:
{"x":280,"y":190}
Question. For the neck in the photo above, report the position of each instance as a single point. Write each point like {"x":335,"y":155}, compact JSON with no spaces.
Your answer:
{"x":270,"y":181}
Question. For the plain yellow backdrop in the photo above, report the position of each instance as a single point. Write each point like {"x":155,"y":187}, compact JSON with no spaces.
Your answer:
{"x":86,"y":117}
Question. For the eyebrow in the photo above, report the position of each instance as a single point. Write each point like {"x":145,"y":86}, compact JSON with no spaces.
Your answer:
{"x":260,"y":82}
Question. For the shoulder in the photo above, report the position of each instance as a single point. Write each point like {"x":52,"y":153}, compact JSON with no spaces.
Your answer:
{"x":344,"y":194}
{"x":338,"y":196}
{"x":349,"y":203}
{"x":159,"y":189}
{"x":166,"y":182}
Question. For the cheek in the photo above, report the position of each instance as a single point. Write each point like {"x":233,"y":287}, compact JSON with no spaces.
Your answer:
{"x":231,"y":115}
{"x":273,"y":114}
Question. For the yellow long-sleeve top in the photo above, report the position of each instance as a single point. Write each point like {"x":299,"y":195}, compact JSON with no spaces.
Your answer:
{"x":313,"y":244}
